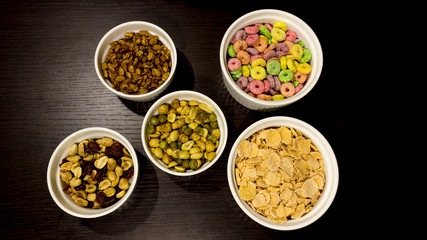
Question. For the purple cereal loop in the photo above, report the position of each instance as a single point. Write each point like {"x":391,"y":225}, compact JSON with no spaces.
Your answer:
{"x":278,"y":83}
{"x":252,"y":51}
{"x":250,"y":79}
{"x":273,"y":92}
{"x":269,"y":54}
{"x":242,"y":82}
{"x":281,"y":49}
{"x":270,"y":79}
{"x":247,"y":89}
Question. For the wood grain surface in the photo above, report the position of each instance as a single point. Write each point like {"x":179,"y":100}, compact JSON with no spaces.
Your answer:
{"x":49,"y":89}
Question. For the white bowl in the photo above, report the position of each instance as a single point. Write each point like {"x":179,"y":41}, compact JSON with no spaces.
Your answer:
{"x":117,"y":33}
{"x":330,"y":166}
{"x":304,"y":32}
{"x":55,"y":185}
{"x":185,"y":95}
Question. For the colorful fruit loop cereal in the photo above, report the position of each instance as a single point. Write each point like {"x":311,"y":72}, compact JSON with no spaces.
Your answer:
{"x":262,"y":58}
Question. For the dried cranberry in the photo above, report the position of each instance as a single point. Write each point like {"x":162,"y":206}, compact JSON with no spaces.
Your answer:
{"x":87,"y":168}
{"x":109,"y":201}
{"x":90,"y":205}
{"x":66,"y":188}
{"x":130,"y":173}
{"x":100,"y":198}
{"x":97,"y":175}
{"x":92,"y":147}
{"x":116,"y":150}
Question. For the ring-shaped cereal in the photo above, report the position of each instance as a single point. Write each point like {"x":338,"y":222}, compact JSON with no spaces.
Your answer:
{"x":266,"y":85}
{"x":290,"y":64}
{"x":291,"y":36}
{"x":256,"y":87}
{"x":252,"y":29}
{"x":300,"y":77}
{"x":286,"y":75}
{"x":296,"y":51}
{"x":242,"y":83}
{"x":264,"y":31}
{"x":252,"y":39}
{"x":264,"y":97}
{"x":258,"y":62}
{"x":234,"y":64}
{"x":240,"y":45}
{"x":283,"y":62}
{"x":244,"y":57}
{"x":258,"y":73}
{"x":278,"y":97}
{"x":299,"y":87}
{"x":304,"y":68}
{"x":278,"y":34}
{"x":281,"y":25}
{"x":281,"y":49}
{"x":245,"y":71}
{"x":287,"y":89}
{"x":261,"y":45}
{"x":306,"y":56}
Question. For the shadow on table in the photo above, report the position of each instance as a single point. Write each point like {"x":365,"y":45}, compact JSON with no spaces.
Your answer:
{"x":183,"y":80}
{"x":137,"y":208}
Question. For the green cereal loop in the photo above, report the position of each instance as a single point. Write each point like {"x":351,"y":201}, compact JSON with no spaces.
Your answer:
{"x":306,"y":56}
{"x":273,"y":67}
{"x":286,"y":75}
{"x":264,"y":31}
{"x":239,"y":70}
{"x":231,"y":51}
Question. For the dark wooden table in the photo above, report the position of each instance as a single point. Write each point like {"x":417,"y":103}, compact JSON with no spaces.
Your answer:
{"x":49,"y":89}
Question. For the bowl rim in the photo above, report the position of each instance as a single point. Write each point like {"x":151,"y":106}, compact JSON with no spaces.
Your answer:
{"x":166,"y":37}
{"x":331,"y":172}
{"x":305,"y":28}
{"x":220,"y":115}
{"x":53,"y":179}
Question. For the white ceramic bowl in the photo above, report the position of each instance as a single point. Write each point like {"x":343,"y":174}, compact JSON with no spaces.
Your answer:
{"x":304,"y":32}
{"x":55,"y":185}
{"x":330,"y":166}
{"x":185,"y":95}
{"x":117,"y":33}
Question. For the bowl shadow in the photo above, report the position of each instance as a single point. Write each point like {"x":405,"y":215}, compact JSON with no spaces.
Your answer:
{"x":183,"y":80}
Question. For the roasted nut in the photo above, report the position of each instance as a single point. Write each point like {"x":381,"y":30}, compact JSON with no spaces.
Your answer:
{"x":123,"y":184}
{"x":75,"y":182}
{"x":110,"y":191}
{"x":101,"y":162}
{"x":104,"y":184}
{"x":137,"y":64}
{"x":90,"y":188}
{"x":120,"y":194}
{"x":91,"y":172}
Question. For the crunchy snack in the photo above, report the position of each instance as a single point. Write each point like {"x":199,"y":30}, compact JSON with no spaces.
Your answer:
{"x":279,"y":173}
{"x":138,"y":63}
{"x":96,"y":173}
{"x":184,"y":135}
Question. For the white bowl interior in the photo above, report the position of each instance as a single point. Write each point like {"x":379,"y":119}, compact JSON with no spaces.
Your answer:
{"x":304,"y":32}
{"x":55,"y":184}
{"x":117,"y":33}
{"x":185,"y":95}
{"x":330,"y":164}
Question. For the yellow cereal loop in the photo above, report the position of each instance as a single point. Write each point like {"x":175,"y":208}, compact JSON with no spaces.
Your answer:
{"x":281,"y":25}
{"x":258,"y":62}
{"x":283,"y":62}
{"x":278,"y":34}
{"x":296,"y":51}
{"x":290,"y":64}
{"x":258,"y":73}
{"x":245,"y":71}
{"x":304,"y":68}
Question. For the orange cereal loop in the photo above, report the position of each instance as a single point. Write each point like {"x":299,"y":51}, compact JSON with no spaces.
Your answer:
{"x":265,"y":97}
{"x":261,"y":45}
{"x":244,"y":57}
{"x":301,"y":78}
{"x":240,"y":45}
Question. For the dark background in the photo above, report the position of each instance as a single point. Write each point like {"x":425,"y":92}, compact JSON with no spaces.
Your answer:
{"x":49,"y":89}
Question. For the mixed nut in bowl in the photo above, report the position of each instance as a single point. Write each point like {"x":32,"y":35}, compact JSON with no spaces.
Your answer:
{"x":282,"y":173}
{"x":92,"y":172}
{"x":184,"y":133}
{"x":269,"y":59}
{"x":136,"y":60}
